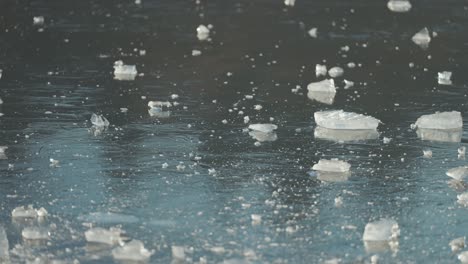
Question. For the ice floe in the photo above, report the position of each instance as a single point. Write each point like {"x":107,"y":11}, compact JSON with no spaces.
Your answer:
{"x":338,"y":119}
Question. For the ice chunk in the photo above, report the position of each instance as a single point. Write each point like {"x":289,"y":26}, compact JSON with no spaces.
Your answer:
{"x":323,"y":91}
{"x":203,"y":32}
{"x":336,"y":72}
{"x":348,"y":84}
{"x":104,"y":236}
{"x":333,"y":165}
{"x":2,"y":152}
{"x":463,"y":199}
{"x":345,"y":135}
{"x":457,"y":244}
{"x":458,"y":173}
{"x":328,"y":176}
{"x":196,"y":53}
{"x":444,"y":77}
{"x":1,"y":73}
{"x":1,"y":101}
{"x":399,"y":6}
{"x":178,"y":253}
{"x":312,"y":32}
{"x":99,"y":121}
{"x":338,"y":119}
{"x":28,"y":212}
{"x":4,"y":246}
{"x":440,"y":120}
{"x":320,"y":70}
{"x":38,"y":20}
{"x":124,"y":72}
{"x":289,"y":2}
{"x":427,"y":153}
{"x":422,"y":38}
{"x":266,"y":128}
{"x":442,"y":135}
{"x":132,"y":251}
{"x":263,"y":136}
{"x":381,"y":230}
{"x":35,"y":233}
{"x":463,"y":257}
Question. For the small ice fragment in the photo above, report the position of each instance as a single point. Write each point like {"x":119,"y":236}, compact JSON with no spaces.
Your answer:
{"x":246,"y":119}
{"x":1,"y":72}
{"x":441,"y":135}
{"x":381,"y":230}
{"x":258,"y":107}
{"x":38,"y":20}
{"x":312,"y":32}
{"x":289,"y":2}
{"x":266,"y":128}
{"x":336,"y":72}
{"x":1,"y":101}
{"x":348,"y":84}
{"x":440,"y":120}
{"x":463,"y":199}
{"x":196,"y":53}
{"x":463,"y":257}
{"x":2,"y":152}
{"x":444,"y":78}
{"x":457,"y":244}
{"x":338,"y":119}
{"x":164,"y":165}
{"x":178,"y":253}
{"x":104,"y":236}
{"x":422,"y":38}
{"x":458,"y":173}
{"x":399,"y":6}
{"x":99,"y":121}
{"x":427,"y":153}
{"x":54,"y":163}
{"x":256,"y":218}
{"x":137,"y":2}
{"x":461,"y":152}
{"x":345,"y":135}
{"x":386,"y":140}
{"x":320,"y":70}
{"x":35,"y":233}
{"x":42,"y":212}
{"x":203,"y":33}
{"x":132,"y":251}
{"x":333,"y":165}
{"x":338,"y":201}
{"x":124,"y":72}
{"x":4,"y":246}
{"x":24,"y":212}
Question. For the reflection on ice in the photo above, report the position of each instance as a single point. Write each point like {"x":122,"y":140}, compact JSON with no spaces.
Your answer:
{"x":159,"y":109}
{"x":344,"y":135}
{"x":443,"y":135}
{"x":263,"y":136}
{"x":35,"y":233}
{"x":458,"y":173}
{"x":323,"y":91}
{"x":328,"y":176}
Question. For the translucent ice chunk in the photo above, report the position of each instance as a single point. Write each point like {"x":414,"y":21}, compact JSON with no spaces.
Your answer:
{"x":266,"y":128}
{"x":463,"y":199}
{"x":458,"y":173}
{"x":381,"y":230}
{"x":463,"y":257}
{"x":263,"y":136}
{"x":289,"y":2}
{"x":104,"y":236}
{"x":4,"y":246}
{"x":124,"y":72}
{"x":99,"y":120}
{"x":203,"y":32}
{"x":320,"y":70}
{"x":338,"y":119}
{"x":457,"y":244}
{"x":444,"y":77}
{"x":336,"y":72}
{"x":312,"y":32}
{"x":440,"y":120}
{"x":399,"y":6}
{"x":442,"y":135}
{"x":345,"y":135}
{"x":132,"y":251}
{"x":332,"y":165}
{"x":35,"y":233}
{"x":422,"y":38}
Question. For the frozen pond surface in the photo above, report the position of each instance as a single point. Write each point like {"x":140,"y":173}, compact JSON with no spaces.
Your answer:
{"x":188,"y":180}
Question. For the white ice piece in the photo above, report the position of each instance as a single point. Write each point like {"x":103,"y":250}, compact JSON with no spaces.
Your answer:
{"x":427,"y":153}
{"x":203,"y":32}
{"x":266,"y":128}
{"x":338,"y":119}
{"x":132,"y":251}
{"x":463,"y":257}
{"x":4,"y":246}
{"x":159,"y":104}
{"x":320,"y":70}
{"x":2,"y":152}
{"x":323,"y":91}
{"x":28,"y":212}
{"x":289,"y":2}
{"x":99,"y":121}
{"x":1,"y":101}
{"x":457,"y":244}
{"x":381,"y":230}
{"x":336,"y":72}
{"x":458,"y":173}
{"x":124,"y":72}
{"x":178,"y":253}
{"x":333,"y":165}
{"x":35,"y":233}
{"x":196,"y":53}
{"x":38,"y":20}
{"x":422,"y":38}
{"x":461,"y":152}
{"x":444,"y":78}
{"x":399,"y":6}
{"x":110,"y":236}
{"x":463,"y":199}
{"x":441,"y":135}
{"x":440,"y":120}
{"x":313,"y":32}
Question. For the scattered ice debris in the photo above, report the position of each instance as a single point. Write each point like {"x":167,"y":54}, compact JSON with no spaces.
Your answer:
{"x":386,"y":140}
{"x":457,"y":244}
{"x":345,"y":135}
{"x":444,"y":78}
{"x":441,"y":135}
{"x":178,"y":253}
{"x":54,"y":163}
{"x":124,"y":72}
{"x":348,"y":84}
{"x":463,"y":199}
{"x":336,"y":72}
{"x":38,"y":20}
{"x":399,"y":6}
{"x":196,"y":53}
{"x":427,"y":153}
{"x":333,"y":165}
{"x":4,"y":246}
{"x":35,"y":233}
{"x":312,"y":32}
{"x":99,"y":121}
{"x":110,"y":236}
{"x":458,"y":173}
{"x":320,"y":70}
{"x":203,"y":32}
{"x":463,"y":257}
{"x":461,"y":152}
{"x":440,"y":120}
{"x":28,"y":212}
{"x":266,"y":128}
{"x":2,"y":152}
{"x":422,"y":38}
{"x":289,"y":2}
{"x":338,"y":119}
{"x":323,"y":91}
{"x":132,"y":251}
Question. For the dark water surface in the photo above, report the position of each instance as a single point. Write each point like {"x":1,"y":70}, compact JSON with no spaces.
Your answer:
{"x":258,"y":48}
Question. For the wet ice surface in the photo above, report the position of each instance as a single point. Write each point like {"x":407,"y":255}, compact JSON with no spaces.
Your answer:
{"x":188,"y":185}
